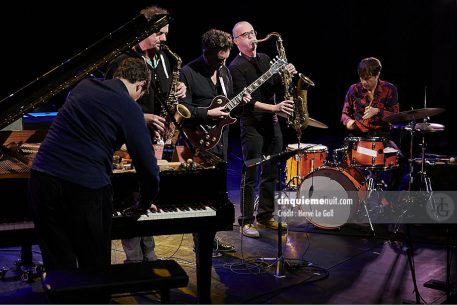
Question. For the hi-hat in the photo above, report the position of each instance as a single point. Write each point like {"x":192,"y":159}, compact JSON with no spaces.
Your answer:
{"x":414,"y":114}
{"x":316,"y":123}
{"x":426,"y":127}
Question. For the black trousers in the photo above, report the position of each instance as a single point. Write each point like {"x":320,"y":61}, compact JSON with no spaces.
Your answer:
{"x":73,"y":223}
{"x":256,"y":140}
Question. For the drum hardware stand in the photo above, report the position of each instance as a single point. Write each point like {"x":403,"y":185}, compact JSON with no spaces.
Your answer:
{"x":412,"y":267}
{"x":369,"y":218}
{"x":409,"y":242}
{"x":409,"y":198}
{"x":375,"y":185}
{"x":425,"y":179}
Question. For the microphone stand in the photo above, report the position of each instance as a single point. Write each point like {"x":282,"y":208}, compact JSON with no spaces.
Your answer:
{"x":280,"y":271}
{"x":279,"y":261}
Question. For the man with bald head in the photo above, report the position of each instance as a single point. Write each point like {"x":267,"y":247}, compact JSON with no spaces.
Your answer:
{"x":260,"y":130}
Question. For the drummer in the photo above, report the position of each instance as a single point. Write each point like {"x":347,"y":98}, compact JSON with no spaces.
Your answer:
{"x":367,"y":103}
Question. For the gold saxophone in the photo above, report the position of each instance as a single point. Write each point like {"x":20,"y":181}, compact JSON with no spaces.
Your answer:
{"x":300,"y":117}
{"x":178,"y":111}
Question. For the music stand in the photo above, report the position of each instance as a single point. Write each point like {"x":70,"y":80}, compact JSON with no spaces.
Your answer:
{"x":282,"y":156}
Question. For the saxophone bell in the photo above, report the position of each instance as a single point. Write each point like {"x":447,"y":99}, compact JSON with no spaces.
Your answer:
{"x":183,"y":111}
{"x":306,"y":79}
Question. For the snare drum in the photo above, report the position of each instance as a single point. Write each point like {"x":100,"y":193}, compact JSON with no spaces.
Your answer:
{"x":304,"y":162}
{"x":365,"y":152}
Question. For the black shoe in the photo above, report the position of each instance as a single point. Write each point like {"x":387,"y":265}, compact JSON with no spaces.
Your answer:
{"x":219,"y":246}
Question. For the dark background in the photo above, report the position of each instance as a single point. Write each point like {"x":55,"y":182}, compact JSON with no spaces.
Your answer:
{"x":325,"y":40}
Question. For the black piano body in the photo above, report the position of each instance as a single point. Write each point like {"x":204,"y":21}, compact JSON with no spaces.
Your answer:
{"x":203,"y":185}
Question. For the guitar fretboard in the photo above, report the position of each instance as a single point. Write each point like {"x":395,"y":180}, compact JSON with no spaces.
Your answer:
{"x":256,"y":84}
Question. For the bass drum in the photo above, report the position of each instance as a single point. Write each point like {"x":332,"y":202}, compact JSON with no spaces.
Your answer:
{"x":331,"y":196}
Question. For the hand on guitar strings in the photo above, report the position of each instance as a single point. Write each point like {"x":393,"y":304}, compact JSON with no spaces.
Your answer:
{"x":246,"y":96}
{"x":218,"y":112}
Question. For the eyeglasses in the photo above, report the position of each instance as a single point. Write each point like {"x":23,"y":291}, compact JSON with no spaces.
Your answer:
{"x":247,"y":34}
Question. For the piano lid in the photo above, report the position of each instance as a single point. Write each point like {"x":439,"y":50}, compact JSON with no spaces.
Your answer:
{"x":68,"y":73}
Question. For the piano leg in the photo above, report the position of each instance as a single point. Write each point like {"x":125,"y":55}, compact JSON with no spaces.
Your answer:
{"x":203,"y":254}
{"x":26,"y":255}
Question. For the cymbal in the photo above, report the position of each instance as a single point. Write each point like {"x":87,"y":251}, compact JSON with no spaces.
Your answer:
{"x":426,"y":127}
{"x":315,"y":123}
{"x":414,"y":114}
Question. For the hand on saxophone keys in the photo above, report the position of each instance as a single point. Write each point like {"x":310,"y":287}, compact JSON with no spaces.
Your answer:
{"x":291,"y":69}
{"x":284,"y":109}
{"x":181,"y":90}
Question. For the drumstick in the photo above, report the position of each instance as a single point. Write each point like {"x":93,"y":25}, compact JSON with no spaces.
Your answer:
{"x":359,"y":123}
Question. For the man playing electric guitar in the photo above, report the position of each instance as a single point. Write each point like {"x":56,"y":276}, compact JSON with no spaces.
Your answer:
{"x":207,"y":77}
{"x":210,"y":86}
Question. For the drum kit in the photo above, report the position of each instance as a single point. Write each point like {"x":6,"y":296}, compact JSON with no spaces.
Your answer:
{"x":357,"y":168}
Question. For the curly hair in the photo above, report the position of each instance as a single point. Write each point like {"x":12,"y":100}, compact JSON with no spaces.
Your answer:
{"x":153,"y":10}
{"x":369,"y":67}
{"x":133,"y":70}
{"x":216,"y":40}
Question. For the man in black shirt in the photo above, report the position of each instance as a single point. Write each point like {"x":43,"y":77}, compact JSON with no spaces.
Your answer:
{"x":205,"y":78}
{"x":150,"y":51}
{"x":260,"y":130}
{"x":70,"y":188}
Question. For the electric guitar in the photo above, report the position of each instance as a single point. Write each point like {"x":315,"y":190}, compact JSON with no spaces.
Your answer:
{"x":206,"y":136}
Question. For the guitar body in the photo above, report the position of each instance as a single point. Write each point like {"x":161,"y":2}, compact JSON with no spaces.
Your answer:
{"x":206,"y":136}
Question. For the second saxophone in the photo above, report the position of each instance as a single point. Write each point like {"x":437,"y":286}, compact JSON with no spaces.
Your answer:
{"x":178,"y":111}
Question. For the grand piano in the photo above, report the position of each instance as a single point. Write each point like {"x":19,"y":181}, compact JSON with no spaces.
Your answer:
{"x":203,"y":209}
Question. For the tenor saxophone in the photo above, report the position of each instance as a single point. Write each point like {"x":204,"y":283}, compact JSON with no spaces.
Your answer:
{"x":299,"y":119}
{"x":172,"y":106}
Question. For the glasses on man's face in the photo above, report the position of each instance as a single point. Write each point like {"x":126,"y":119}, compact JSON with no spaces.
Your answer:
{"x":247,"y":34}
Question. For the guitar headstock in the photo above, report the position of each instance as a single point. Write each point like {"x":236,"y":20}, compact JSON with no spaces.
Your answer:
{"x":277,"y":64}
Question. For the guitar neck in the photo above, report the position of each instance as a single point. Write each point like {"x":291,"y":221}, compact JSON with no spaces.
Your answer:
{"x":249,"y":89}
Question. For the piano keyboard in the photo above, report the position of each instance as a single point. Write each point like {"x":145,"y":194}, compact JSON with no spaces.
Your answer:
{"x":172,"y":212}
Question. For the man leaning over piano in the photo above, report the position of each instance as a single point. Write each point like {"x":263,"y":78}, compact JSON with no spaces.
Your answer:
{"x":69,"y":188}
